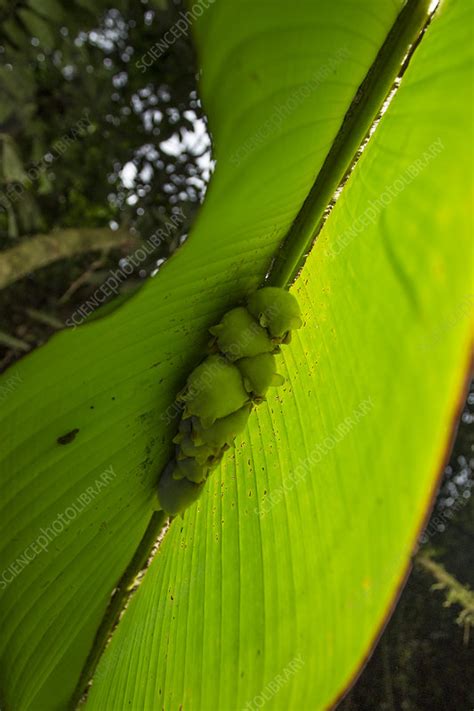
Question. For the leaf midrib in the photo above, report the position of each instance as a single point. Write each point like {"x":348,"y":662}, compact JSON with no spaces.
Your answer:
{"x":391,"y":59}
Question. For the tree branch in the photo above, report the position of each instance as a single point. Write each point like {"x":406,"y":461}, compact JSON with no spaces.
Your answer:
{"x":41,"y":250}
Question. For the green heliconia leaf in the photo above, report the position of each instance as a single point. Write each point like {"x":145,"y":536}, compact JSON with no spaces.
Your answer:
{"x":269,"y":576}
{"x":278,"y":581}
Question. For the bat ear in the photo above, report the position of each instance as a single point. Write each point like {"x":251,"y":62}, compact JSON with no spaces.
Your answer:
{"x":278,"y":380}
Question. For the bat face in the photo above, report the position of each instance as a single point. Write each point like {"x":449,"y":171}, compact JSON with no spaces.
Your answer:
{"x":275,"y":309}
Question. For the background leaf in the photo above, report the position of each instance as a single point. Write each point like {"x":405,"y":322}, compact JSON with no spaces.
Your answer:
{"x":12,"y":167}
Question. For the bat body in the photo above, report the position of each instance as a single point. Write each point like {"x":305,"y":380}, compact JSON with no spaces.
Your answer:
{"x":221,"y":392}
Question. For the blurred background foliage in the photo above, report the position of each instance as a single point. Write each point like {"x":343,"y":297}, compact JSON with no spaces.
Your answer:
{"x":91,"y":140}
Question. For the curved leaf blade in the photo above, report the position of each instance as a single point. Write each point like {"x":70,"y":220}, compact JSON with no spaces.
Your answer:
{"x":278,"y":580}
{"x":140,"y":354}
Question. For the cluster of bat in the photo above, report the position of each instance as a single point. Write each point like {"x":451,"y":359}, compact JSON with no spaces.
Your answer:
{"x":221,"y":392}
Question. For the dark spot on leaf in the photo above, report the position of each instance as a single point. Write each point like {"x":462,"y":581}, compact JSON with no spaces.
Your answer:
{"x":68,"y":437}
